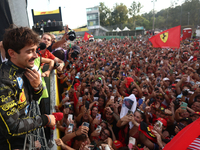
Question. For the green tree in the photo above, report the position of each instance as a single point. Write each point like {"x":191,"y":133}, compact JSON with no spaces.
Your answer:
{"x":119,"y":15}
{"x":141,"y":21}
{"x":134,"y":10}
{"x":105,"y":14}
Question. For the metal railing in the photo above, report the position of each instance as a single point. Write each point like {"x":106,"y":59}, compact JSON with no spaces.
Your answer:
{"x":48,"y":24}
{"x":38,"y":136}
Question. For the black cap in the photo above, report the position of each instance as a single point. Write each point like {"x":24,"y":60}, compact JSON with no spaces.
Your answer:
{"x":76,"y":49}
{"x":188,"y":120}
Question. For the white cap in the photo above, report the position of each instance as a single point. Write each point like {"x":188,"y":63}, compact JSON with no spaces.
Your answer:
{"x":110,"y":85}
{"x":166,"y":79}
{"x":177,"y":80}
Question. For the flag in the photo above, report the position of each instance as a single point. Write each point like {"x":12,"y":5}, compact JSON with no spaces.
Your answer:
{"x":86,"y":36}
{"x":185,"y":138}
{"x":167,"y":39}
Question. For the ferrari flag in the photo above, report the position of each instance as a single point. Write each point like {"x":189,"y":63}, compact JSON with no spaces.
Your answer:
{"x":167,"y":39}
{"x":86,"y":36}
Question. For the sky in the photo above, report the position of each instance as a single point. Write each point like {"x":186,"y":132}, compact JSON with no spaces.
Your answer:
{"x":74,"y":11}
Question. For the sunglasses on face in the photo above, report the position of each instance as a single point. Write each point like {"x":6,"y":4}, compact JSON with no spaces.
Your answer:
{"x":159,"y":98}
{"x":105,"y":133}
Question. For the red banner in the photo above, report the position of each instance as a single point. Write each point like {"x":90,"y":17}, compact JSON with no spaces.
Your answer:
{"x":167,"y":39}
{"x":86,"y":36}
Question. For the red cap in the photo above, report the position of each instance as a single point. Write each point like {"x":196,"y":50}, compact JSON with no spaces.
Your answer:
{"x":163,"y":121}
{"x":117,"y":144}
{"x":76,"y":86}
{"x":197,"y":113}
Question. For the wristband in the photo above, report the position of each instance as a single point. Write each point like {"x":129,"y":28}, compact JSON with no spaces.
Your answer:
{"x":39,"y":87}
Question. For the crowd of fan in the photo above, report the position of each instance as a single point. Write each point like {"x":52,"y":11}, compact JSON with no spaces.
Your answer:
{"x":115,"y":89}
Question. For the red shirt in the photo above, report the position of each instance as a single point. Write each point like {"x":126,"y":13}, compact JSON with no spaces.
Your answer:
{"x":48,"y":54}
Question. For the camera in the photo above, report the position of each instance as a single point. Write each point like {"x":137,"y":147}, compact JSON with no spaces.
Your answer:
{"x":185,"y":92}
{"x":176,"y":102}
{"x":72,"y":35}
{"x":75,"y":53}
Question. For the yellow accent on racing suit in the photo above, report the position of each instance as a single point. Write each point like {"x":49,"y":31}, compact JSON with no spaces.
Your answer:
{"x":15,"y":97}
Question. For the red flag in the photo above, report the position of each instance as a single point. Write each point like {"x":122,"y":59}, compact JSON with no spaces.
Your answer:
{"x":167,"y":39}
{"x":86,"y":36}
{"x":185,"y":137}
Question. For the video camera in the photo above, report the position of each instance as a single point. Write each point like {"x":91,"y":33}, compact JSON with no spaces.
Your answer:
{"x":72,"y":34}
{"x":75,"y":53}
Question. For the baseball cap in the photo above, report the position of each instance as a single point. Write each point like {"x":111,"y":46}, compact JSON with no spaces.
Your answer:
{"x":76,"y":77}
{"x":177,"y":80}
{"x":196,"y":113}
{"x":164,"y":122}
{"x":117,"y":144}
{"x":110,"y":85}
{"x":166,"y":79}
{"x":188,"y":120}
{"x":162,"y":109}
{"x":76,"y":49}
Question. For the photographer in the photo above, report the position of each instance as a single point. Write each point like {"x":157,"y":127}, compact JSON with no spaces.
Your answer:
{"x":19,"y":87}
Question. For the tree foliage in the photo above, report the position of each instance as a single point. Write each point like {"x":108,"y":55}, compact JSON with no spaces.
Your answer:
{"x":105,"y":13}
{"x":119,"y":14}
{"x":187,"y":13}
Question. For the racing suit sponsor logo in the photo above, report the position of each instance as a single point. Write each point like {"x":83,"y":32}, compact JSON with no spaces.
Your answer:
{"x":9,"y":105}
{"x":12,"y":111}
{"x":22,"y":97}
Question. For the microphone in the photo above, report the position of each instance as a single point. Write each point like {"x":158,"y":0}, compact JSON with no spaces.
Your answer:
{"x":42,"y":46}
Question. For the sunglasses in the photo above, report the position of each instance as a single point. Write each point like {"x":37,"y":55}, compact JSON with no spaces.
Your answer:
{"x":105,"y":133}
{"x":159,"y":98}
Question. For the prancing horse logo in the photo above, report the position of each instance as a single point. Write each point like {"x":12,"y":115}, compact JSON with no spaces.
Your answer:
{"x":164,"y":37}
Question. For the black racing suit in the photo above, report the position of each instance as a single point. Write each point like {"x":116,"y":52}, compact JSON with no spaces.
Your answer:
{"x":16,"y":94}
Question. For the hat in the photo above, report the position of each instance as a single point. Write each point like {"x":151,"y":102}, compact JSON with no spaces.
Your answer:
{"x":164,"y":122}
{"x":177,"y":80}
{"x":196,"y":113}
{"x":76,"y":86}
{"x":76,"y":77}
{"x":110,"y":85}
{"x":117,"y":144}
{"x":188,"y":120}
{"x":173,"y":86}
{"x":76,"y":49}
{"x":162,"y":109}
{"x":98,"y":80}
{"x":108,"y":64}
{"x":166,"y":79}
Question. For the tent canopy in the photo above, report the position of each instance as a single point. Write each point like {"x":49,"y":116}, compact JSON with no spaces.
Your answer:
{"x":118,"y":29}
{"x":126,"y":29}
